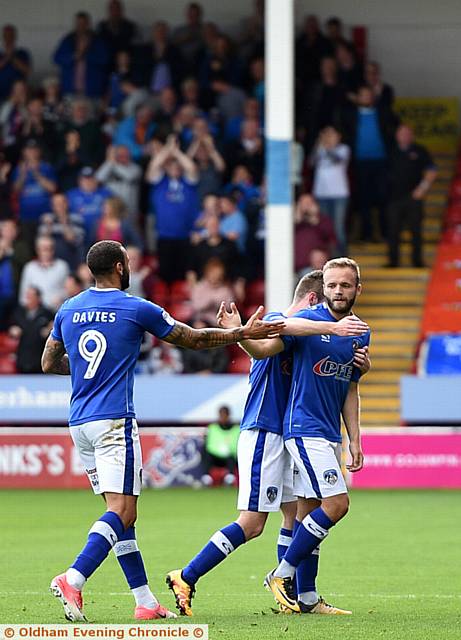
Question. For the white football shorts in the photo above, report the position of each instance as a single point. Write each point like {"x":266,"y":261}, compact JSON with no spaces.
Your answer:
{"x":265,"y":471}
{"x":317,"y":467}
{"x":110,"y":451}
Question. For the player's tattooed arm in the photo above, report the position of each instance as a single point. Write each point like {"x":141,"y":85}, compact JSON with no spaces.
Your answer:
{"x":351,"y":416}
{"x":55,"y":358}
{"x":209,"y":338}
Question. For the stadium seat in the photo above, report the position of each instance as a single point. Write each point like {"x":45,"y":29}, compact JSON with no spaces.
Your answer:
{"x":7,"y":365}
{"x":159,"y":293}
{"x":181,"y":311}
{"x":7,"y":344}
{"x":180,"y":291}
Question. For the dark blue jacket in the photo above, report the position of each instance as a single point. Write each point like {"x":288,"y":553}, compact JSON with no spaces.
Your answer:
{"x":97,"y":60}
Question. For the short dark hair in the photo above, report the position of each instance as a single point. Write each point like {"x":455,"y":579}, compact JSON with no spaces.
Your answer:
{"x":312,"y":281}
{"x":103,"y":256}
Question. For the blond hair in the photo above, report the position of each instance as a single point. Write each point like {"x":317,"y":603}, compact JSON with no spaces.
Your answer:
{"x":343,"y":263}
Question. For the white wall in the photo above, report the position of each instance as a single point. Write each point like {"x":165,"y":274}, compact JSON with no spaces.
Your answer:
{"x":418,"y":42}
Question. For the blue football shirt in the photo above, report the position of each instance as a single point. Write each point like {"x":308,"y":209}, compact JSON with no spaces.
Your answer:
{"x":102,"y":331}
{"x":270,"y":380}
{"x":322,"y":373}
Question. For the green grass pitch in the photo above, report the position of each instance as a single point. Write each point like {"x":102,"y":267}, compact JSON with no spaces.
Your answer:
{"x":395,"y":561}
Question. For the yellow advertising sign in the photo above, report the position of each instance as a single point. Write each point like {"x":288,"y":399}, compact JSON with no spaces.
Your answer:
{"x":435,"y":121}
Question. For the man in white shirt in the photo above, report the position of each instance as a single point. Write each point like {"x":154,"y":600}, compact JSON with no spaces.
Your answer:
{"x":45,"y":273}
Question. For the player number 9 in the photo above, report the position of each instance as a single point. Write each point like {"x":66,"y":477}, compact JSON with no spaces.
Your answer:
{"x":95,"y":356}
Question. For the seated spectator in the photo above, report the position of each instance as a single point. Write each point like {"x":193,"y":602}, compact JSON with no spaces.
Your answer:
{"x":73,"y":285}
{"x":88,"y":198}
{"x":383,"y":92}
{"x":13,"y":114}
{"x":5,"y":188}
{"x":313,"y":230}
{"x":190,"y":93}
{"x":188,"y":37}
{"x":242,"y":186}
{"x":204,"y":361}
{"x":35,"y":127}
{"x":32,"y":323}
{"x":122,"y":177}
{"x":91,"y":148}
{"x":83,"y":59}
{"x":173,"y":200}
{"x":14,"y":247}
{"x":66,"y":229}
{"x":213,"y":245}
{"x":138,"y":272}
{"x":210,"y":163}
{"x":221,"y":447}
{"x":53,"y":106}
{"x":117,"y":31}
{"x":70,"y":161}
{"x":350,"y":72}
{"x":331,"y":186}
{"x":248,"y":150}
{"x":212,"y":289}
{"x":47,"y":273}
{"x":113,"y":226}
{"x":210,"y":207}
{"x":136,"y":132}
{"x":15,"y":63}
{"x":158,"y":63}
{"x":234,"y":225}
{"x":33,"y":181}
{"x":162,"y":359}
{"x":7,"y":285}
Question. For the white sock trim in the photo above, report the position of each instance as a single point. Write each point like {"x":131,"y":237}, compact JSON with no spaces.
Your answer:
{"x":309,"y":597}
{"x":222,"y":542}
{"x":315,"y":529}
{"x":285,"y":570}
{"x":144,"y":597}
{"x":75,"y":578}
{"x":284,"y":541}
{"x":316,"y":551}
{"x":104,"y":530}
{"x":125,"y":546}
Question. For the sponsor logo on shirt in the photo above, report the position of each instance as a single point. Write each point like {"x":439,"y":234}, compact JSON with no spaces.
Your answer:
{"x":329,"y":368}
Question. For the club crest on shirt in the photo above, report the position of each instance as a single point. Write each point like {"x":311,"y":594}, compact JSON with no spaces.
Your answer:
{"x":331,"y":476}
{"x":271,"y":493}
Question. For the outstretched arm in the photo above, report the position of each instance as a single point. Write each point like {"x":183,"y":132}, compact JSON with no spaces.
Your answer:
{"x":55,"y":358}
{"x":351,"y":416}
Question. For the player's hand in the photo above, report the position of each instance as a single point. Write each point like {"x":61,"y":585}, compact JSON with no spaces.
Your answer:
{"x":350,"y":326}
{"x":228,"y":319}
{"x":257,"y":329}
{"x":362,"y":360}
{"x":357,"y":457}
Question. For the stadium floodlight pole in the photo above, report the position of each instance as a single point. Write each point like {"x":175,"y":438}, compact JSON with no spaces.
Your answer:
{"x":279,"y":116}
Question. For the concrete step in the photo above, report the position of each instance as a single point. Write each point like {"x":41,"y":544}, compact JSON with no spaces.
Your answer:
{"x":395,"y":325}
{"x":385,"y":363}
{"x":394,"y":337}
{"x":375,"y":286}
{"x":392,"y":275}
{"x":378,"y":390}
{"x":380,"y":404}
{"x":393,"y":312}
{"x":404,"y":350}
{"x":380,"y":376}
{"x":398,"y":297}
{"x":380,"y":418}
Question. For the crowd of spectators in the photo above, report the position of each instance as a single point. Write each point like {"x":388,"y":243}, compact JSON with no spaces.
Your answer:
{"x":159,"y":144}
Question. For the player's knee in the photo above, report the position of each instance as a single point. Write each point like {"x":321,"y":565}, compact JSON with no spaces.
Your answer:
{"x":336,"y":507}
{"x":252,"y":527}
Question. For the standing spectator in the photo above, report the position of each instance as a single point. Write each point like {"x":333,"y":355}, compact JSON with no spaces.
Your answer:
{"x":83,"y":59}
{"x":7,"y":285}
{"x":334,"y":33}
{"x":220,"y":62}
{"x":14,"y":247}
{"x":212,"y":289}
{"x":249,"y":150}
{"x":113,"y":226}
{"x":189,"y":37}
{"x":370,"y":131}
{"x":53,"y":106}
{"x":210,"y":207}
{"x":324,"y":101}
{"x":88,"y":198}
{"x":213,"y":245}
{"x":91,"y":143}
{"x":158,"y":63}
{"x":66,"y":229}
{"x":135,"y":132}
{"x":138,"y":272}
{"x":5,"y":188}
{"x":252,"y":33}
{"x":122,"y":177}
{"x":47,"y":273}
{"x":117,"y":31}
{"x":70,"y":161}
{"x":234,"y":225}
{"x":32,"y":322}
{"x":229,"y":99}
{"x":35,"y":127}
{"x":173,"y":200}
{"x":350,"y":72}
{"x":13,"y":114}
{"x":412,"y":172}
{"x":313,"y":230}
{"x":15,"y":63}
{"x":210,"y":163}
{"x":34,"y":181}
{"x":251,"y":111}
{"x":331,"y":187}
{"x":383,"y":93}
{"x":204,"y":361}
{"x":311,"y":47}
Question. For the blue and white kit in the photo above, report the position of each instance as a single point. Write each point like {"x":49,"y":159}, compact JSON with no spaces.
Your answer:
{"x":102,"y":330}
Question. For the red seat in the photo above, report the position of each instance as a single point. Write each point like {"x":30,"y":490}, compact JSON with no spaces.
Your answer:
{"x":7,"y":344}
{"x":255,"y":292}
{"x":159,"y":293}
{"x":239,"y":364}
{"x":7,"y":365}
{"x":181,"y":311}
{"x":180,"y":291}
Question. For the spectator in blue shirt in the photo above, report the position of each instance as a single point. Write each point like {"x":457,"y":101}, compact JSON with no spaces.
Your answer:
{"x":33,"y":181}
{"x":174,"y":201}
{"x":84,"y":60}
{"x":234,"y":225}
{"x":15,"y":64}
{"x":88,"y":199}
{"x":136,"y":132}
